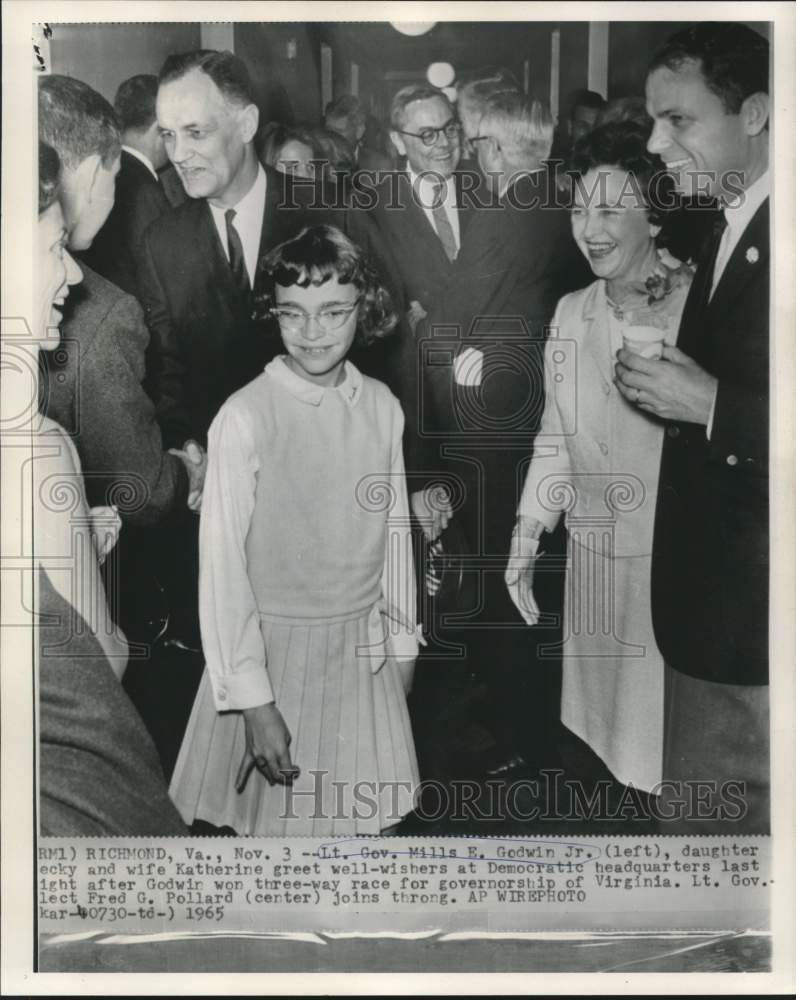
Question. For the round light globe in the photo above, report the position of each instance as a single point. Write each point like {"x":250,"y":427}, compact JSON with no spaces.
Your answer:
{"x":413,"y":28}
{"x":440,"y":74}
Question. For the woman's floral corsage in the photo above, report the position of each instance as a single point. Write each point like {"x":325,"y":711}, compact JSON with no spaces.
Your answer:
{"x":651,"y":307}
{"x":669,"y":274}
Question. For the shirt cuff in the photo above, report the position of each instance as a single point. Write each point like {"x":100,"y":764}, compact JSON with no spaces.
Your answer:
{"x":709,"y":428}
{"x":246,"y":688}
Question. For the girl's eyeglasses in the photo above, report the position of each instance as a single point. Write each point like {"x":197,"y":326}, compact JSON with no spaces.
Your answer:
{"x":294,"y":320}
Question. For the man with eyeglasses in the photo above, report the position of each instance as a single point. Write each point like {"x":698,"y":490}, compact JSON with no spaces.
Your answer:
{"x":412,"y":222}
{"x":517,"y":259}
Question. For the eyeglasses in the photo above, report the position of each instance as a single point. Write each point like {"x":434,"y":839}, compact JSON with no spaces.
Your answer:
{"x":429,"y":136}
{"x":295,"y":320}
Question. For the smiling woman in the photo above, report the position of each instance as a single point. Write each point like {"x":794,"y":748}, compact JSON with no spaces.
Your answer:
{"x":607,"y":460}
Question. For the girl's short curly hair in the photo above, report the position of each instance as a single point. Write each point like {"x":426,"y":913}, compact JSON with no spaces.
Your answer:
{"x":318,"y":254}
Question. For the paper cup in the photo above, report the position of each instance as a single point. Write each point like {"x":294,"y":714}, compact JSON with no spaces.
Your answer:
{"x":645,"y":340}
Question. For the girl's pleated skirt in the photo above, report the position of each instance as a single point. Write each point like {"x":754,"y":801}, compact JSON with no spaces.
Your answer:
{"x":351,"y":737}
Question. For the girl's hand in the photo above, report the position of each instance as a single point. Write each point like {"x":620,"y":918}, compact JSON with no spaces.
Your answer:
{"x":267,"y":747}
{"x":105,"y":527}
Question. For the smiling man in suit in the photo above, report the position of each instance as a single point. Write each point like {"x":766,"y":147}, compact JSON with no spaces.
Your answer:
{"x":707,"y":91}
{"x":412,"y":222}
{"x":197,"y":270}
{"x":140,"y":199}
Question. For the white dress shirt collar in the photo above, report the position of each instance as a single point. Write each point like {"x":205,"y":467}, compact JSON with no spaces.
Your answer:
{"x":424,"y":187}
{"x":142,"y":158}
{"x":739,"y":212}
{"x":248,"y":221}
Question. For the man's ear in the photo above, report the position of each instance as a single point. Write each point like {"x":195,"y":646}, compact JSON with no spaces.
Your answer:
{"x":85,"y":176}
{"x":398,"y":142}
{"x":754,"y":111}
{"x":654,"y":230}
{"x":249,"y":119}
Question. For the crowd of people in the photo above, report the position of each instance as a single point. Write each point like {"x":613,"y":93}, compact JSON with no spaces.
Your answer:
{"x":329,"y":405}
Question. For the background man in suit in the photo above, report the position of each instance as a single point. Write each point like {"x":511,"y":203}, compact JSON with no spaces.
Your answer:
{"x":140,"y":199}
{"x":412,"y":223}
{"x":483,"y":408}
{"x":346,"y":116}
{"x":707,"y":91}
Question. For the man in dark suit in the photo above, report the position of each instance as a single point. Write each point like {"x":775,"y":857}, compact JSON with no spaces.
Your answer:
{"x":707,"y":91}
{"x":140,"y":199}
{"x":414,"y":219}
{"x":93,"y":383}
{"x":197,"y":268}
{"x":483,"y":393}
{"x":198,"y":282}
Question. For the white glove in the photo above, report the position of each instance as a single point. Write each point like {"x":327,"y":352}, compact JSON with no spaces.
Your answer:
{"x":519,"y":575}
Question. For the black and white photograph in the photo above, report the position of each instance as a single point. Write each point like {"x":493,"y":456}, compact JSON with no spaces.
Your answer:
{"x":397,"y":496}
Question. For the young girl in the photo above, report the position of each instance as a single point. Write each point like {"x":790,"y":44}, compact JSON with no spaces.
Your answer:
{"x":306,"y":590}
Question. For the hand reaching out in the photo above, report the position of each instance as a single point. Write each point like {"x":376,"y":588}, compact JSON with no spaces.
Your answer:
{"x":105,"y":527}
{"x":194,"y":458}
{"x":267,"y":747}
{"x":414,"y":314}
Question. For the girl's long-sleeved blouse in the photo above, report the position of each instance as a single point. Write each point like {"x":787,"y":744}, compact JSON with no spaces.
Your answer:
{"x":304,"y":516}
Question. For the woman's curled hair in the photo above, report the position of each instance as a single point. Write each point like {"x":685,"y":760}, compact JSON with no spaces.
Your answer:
{"x":624,"y":145}
{"x":318,"y":254}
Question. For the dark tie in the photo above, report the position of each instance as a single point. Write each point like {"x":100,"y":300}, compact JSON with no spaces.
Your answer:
{"x":237,"y":263}
{"x":699,"y":295}
{"x":442,"y":222}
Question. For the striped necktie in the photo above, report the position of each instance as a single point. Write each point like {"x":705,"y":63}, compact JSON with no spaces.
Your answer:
{"x":237,"y":264}
{"x":442,"y":222}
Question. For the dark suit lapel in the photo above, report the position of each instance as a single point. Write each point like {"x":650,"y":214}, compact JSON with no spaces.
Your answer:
{"x":413,"y":221}
{"x":220,"y":276}
{"x":748,"y":259}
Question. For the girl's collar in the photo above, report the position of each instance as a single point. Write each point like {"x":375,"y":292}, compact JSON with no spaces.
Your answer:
{"x":308,"y":392}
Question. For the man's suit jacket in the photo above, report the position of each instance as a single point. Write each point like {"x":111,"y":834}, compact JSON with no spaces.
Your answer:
{"x":516,"y":261}
{"x":388,"y":223}
{"x":205,"y":343}
{"x":710,"y":563}
{"x":92,"y":387}
{"x":139,"y":200}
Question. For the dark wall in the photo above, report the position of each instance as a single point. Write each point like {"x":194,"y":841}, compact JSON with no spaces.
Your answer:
{"x":574,"y":72}
{"x":632,"y":43}
{"x":103,"y":55}
{"x":287,"y":85}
